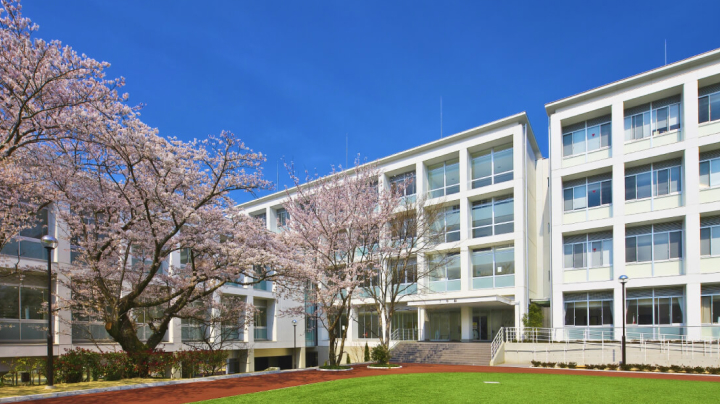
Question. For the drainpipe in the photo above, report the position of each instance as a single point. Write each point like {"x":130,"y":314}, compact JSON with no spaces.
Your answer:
{"x":549,"y":232}
{"x":525,"y":241}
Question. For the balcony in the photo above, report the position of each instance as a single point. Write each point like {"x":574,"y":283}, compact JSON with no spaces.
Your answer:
{"x":489,"y":282}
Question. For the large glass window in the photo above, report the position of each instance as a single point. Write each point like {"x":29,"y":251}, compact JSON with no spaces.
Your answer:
{"x":447,"y":226}
{"x":710,"y":173}
{"x":445,"y":267}
{"x":282,"y":218}
{"x":710,"y":309}
{"x":368,"y":325}
{"x":492,"y":166}
{"x":637,"y":126}
{"x":587,"y":195}
{"x":591,"y":312}
{"x":656,"y":246}
{"x":588,"y":254}
{"x":404,"y":270}
{"x":658,"y":182}
{"x":587,"y":139}
{"x":444,"y":178}
{"x":657,"y":310}
{"x":656,"y":121}
{"x":27,"y":243}
{"x":261,"y":320}
{"x":405,"y":183}
{"x":491,"y":263}
{"x":710,"y":241}
{"x":492,"y":217}
{"x":22,"y":314}
{"x":709,"y":108}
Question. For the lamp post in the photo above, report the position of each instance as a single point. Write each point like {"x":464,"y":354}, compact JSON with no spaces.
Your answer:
{"x":50,"y":243}
{"x":294,"y":342}
{"x":623,"y":280}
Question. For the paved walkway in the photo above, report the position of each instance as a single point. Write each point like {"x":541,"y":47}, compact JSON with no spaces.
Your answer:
{"x":192,"y":392}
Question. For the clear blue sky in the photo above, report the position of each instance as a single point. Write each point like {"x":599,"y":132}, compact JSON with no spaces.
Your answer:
{"x":292,"y":78}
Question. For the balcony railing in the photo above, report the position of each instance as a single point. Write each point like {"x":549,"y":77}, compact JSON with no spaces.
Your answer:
{"x":261,"y":334}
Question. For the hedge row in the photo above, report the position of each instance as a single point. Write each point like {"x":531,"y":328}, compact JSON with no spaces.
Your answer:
{"x":635,"y":367}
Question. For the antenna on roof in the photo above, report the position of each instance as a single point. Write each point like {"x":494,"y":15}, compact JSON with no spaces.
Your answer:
{"x":277,"y":173}
{"x":441,"y":122}
{"x":346,"y":151}
{"x":665,"y":51}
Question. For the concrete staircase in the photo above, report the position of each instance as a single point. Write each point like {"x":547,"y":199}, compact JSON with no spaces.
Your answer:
{"x":446,"y":353}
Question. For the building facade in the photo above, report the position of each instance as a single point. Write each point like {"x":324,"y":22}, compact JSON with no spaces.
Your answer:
{"x":633,"y":192}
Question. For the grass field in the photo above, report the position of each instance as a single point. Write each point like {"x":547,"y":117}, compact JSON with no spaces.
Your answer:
{"x":471,"y":388}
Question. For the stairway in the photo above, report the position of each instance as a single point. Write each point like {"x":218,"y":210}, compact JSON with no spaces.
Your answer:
{"x":446,"y":353}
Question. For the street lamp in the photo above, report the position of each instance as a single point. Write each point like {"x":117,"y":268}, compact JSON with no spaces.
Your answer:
{"x":294,"y":342}
{"x":623,"y":280}
{"x":50,"y":243}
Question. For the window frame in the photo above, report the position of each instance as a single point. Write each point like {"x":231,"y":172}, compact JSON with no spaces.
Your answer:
{"x":587,"y":256}
{"x":493,"y":224}
{"x":711,"y":229}
{"x":652,"y":235}
{"x":493,"y":175}
{"x":651,"y":115}
{"x":587,"y":195}
{"x":587,"y":312}
{"x":406,"y":177}
{"x":492,"y":251}
{"x":445,"y":187}
{"x":710,"y":175}
{"x":586,"y":140}
{"x":655,"y":309}
{"x":709,"y":110}
{"x":442,"y":225}
{"x":654,"y":183}
{"x":713,"y":315}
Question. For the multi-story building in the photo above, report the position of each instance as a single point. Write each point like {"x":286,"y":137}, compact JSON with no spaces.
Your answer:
{"x":22,"y":334}
{"x":635,"y":170}
{"x":492,"y":183}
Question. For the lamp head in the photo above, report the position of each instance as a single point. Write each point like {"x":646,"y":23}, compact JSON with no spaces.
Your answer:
{"x":623,"y":279}
{"x":49,"y":242}
{"x":294,"y":322}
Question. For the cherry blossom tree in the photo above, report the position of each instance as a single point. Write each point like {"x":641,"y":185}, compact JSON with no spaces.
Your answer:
{"x":48,"y":92}
{"x":335,"y":223}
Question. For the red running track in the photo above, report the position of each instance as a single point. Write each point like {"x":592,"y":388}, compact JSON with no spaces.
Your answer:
{"x":192,"y":392}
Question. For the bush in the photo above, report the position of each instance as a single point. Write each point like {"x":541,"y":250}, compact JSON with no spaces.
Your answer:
{"x":625,"y":366}
{"x":380,"y":355}
{"x":688,"y":369}
{"x":562,"y":365}
{"x":535,"y":364}
{"x":612,"y":366}
{"x":713,"y":371}
{"x":675,"y":368}
{"x":347,"y":359}
{"x":70,"y":367}
{"x":589,"y":366}
{"x":367,"y":353}
{"x":572,"y":365}
{"x":550,"y":364}
{"x":662,"y":368}
{"x":699,"y":369}
{"x":116,"y":365}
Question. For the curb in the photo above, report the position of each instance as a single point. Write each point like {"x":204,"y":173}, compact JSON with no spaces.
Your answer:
{"x":17,"y":399}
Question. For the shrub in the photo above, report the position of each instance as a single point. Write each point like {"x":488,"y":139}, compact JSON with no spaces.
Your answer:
{"x":612,"y":366}
{"x":572,"y":365}
{"x":625,"y":366}
{"x":380,"y":355}
{"x":662,"y":368}
{"x":551,"y":364}
{"x":325,"y":365}
{"x":699,"y":369}
{"x":688,"y":369}
{"x":535,"y":363}
{"x":367,"y":353}
{"x":70,"y":367}
{"x":675,"y":368}
{"x":347,"y":359}
{"x":115,"y":365}
{"x":713,"y":371}
{"x":589,"y":366}
{"x":562,"y":365}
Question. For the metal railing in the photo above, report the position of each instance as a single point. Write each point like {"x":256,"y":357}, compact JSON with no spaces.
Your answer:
{"x":497,"y":342}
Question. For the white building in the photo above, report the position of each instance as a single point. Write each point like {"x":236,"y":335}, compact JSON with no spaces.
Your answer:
{"x":493,"y":182}
{"x":268,"y":342}
{"x":635,"y":171}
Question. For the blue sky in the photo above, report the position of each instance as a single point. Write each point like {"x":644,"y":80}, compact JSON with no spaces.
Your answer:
{"x":293,"y":78}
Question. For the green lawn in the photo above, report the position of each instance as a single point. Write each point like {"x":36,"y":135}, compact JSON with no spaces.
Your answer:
{"x":470,"y":388}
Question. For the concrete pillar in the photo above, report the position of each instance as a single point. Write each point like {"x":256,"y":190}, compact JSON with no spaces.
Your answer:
{"x":422,"y":323}
{"x":466,"y":323}
{"x":465,"y":269}
{"x":618,"y":311}
{"x":464,"y":170}
{"x":251,"y":328}
{"x":691,"y":168}
{"x":693,"y":313}
{"x":421,"y":180}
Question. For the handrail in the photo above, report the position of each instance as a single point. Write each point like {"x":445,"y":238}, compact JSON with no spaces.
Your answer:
{"x":607,"y":333}
{"x":497,"y":343}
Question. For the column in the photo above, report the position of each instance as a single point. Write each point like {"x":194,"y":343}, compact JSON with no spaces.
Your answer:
{"x":618,"y":211}
{"x":422,"y":323}
{"x":466,"y":323}
{"x":691,"y":188}
{"x":465,"y":269}
{"x":693,"y":312}
{"x":618,"y":311}
{"x":421,"y":180}
{"x":464,"y":167}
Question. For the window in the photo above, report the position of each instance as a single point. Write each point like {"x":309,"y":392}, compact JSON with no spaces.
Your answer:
{"x":445,"y":267}
{"x":405,"y":271}
{"x":587,"y":254}
{"x":590,"y":312}
{"x":709,"y":108}
{"x":710,"y":308}
{"x":368,"y":325}
{"x":492,"y":166}
{"x":493,"y":216}
{"x":655,"y":310}
{"x":405,"y":183}
{"x":261,"y":320}
{"x":447,"y":227}
{"x":489,"y":263}
{"x":710,"y":173}
{"x":654,"y":121}
{"x":282,"y":218}
{"x":27,"y":243}
{"x":587,"y":139}
{"x":262,"y":217}
{"x":710,"y":241}
{"x":444,"y":178}
{"x":656,"y":246}
{"x":658,"y":182}
{"x":22,"y":315}
{"x":587,"y":195}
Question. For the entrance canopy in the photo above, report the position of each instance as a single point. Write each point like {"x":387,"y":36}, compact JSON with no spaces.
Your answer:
{"x":485,"y":301}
